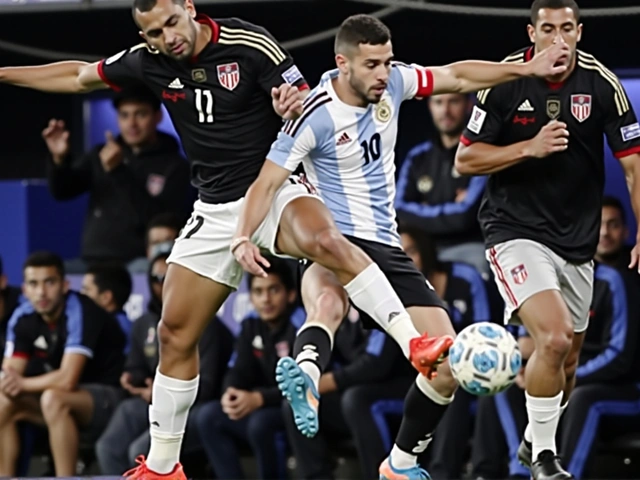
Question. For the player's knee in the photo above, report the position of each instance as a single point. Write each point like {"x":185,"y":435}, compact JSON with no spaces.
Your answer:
{"x":571,"y":366}
{"x":7,"y":408}
{"x":556,"y":344}
{"x":173,"y":338}
{"x":329,"y":242}
{"x":52,"y":404}
{"x":353,"y":402}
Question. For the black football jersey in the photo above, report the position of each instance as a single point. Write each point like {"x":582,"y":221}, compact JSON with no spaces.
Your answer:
{"x":554,"y":200}
{"x":219,"y":101}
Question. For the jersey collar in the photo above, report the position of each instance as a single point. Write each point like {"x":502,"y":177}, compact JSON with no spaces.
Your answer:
{"x":552,"y":85}
{"x":215,"y":30}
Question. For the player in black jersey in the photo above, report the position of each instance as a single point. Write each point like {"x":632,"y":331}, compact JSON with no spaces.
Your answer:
{"x":215,"y":78}
{"x":541,"y":142}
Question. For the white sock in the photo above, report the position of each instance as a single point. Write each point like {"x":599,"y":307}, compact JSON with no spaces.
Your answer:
{"x":527,"y":431}
{"x":401,"y":460}
{"x":313,"y":371}
{"x":544,"y":415}
{"x":372,"y":293}
{"x":171,"y":401}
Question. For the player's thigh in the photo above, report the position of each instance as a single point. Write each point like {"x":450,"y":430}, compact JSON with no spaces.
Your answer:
{"x":528,"y":280}
{"x":323,"y":296}
{"x":576,"y":284}
{"x":25,"y":407}
{"x":190,"y":302}
{"x":80,"y":403}
{"x":295,"y":216}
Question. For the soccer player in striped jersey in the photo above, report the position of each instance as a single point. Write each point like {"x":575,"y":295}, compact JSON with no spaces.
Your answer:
{"x":345,"y":138}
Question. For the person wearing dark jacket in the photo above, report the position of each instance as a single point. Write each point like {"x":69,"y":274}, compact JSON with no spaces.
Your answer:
{"x":127,"y":434}
{"x":130,"y":178}
{"x":10,"y":298}
{"x":249,"y":410}
{"x":433,"y":197}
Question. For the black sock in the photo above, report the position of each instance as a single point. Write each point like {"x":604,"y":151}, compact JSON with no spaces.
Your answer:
{"x":421,"y":417}
{"x":313,"y":344}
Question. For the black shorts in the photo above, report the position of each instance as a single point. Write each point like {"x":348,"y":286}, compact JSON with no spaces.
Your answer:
{"x":405,"y":278}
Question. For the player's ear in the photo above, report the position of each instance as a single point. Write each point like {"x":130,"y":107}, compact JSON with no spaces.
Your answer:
{"x":190,"y":7}
{"x":531,"y":30}
{"x":579,"y":37}
{"x":342,"y":63}
{"x":141,"y":33}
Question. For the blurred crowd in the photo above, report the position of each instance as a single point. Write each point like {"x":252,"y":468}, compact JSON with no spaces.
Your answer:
{"x":139,"y":199}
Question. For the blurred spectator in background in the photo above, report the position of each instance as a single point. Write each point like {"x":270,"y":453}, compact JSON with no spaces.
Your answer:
{"x":80,"y":348}
{"x":130,"y":178}
{"x":250,"y":409}
{"x":127,"y":434}
{"x":109,"y":285}
{"x":163,"y":228}
{"x":9,"y":300}
{"x":614,"y":233}
{"x":433,"y":197}
{"x":465,"y":293}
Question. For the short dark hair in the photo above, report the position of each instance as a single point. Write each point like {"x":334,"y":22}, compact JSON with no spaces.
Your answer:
{"x":554,"y":5}
{"x":167,"y":220}
{"x":359,"y":29}
{"x":426,"y":247}
{"x":137,"y":94}
{"x":614,"y":202}
{"x":280,"y":268}
{"x":146,"y":5}
{"x":114,"y":278}
{"x":45,"y":259}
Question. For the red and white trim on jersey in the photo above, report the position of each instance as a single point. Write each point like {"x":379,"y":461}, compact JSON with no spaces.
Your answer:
{"x":104,"y":78}
{"x":627,"y":152}
{"x":493,"y":257}
{"x":425,"y":82}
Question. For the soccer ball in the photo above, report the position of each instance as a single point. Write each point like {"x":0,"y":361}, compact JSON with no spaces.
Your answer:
{"x":485,"y":359}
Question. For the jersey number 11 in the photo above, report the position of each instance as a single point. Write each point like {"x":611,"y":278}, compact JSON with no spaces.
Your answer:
{"x":204,"y":105}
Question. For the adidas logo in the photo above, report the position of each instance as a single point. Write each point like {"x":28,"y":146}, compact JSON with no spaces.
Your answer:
{"x":525,"y":107}
{"x":176,"y":84}
{"x":344,"y":139}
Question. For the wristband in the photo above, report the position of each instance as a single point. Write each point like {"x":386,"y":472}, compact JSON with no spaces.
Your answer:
{"x":237,"y":242}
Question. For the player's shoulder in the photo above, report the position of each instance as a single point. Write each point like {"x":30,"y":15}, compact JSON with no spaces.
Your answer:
{"x":23,"y":313}
{"x":589,"y":66}
{"x":137,"y":51}
{"x":252,"y":39}
{"x":519,"y":56}
{"x":315,"y":112}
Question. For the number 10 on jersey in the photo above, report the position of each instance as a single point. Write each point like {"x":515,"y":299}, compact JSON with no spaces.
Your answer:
{"x":204,"y":105}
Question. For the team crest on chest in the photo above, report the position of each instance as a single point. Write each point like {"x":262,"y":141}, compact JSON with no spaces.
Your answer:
{"x":199,"y":75}
{"x":425,"y":184}
{"x":229,"y":75}
{"x":382,"y":111}
{"x":553,"y":108}
{"x":581,"y":107}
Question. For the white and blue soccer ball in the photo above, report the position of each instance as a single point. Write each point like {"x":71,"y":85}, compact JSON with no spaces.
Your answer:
{"x":485,"y":359}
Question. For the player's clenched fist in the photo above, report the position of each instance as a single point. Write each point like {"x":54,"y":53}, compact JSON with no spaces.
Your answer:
{"x":287,"y":101}
{"x":552,"y":138}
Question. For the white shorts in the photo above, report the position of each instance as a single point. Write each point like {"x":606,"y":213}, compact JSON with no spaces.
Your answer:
{"x":203,"y":244}
{"x":523,"y":268}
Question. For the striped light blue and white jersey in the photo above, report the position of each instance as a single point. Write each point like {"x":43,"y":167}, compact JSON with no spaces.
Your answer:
{"x":348,"y":152}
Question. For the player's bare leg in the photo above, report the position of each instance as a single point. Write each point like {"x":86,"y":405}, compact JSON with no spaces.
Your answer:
{"x":570,"y":368}
{"x":326,"y":303}
{"x":13,"y":410}
{"x":547,"y":319}
{"x":63,"y":412}
{"x":189,"y":303}
{"x":425,"y":403}
{"x":307,"y":230}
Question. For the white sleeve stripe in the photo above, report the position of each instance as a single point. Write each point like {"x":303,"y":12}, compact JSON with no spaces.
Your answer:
{"x":79,"y":349}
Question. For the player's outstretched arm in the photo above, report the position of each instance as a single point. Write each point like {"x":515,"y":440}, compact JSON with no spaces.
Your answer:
{"x":473,"y":75}
{"x":481,"y":158}
{"x":60,"y":77}
{"x":257,"y":203}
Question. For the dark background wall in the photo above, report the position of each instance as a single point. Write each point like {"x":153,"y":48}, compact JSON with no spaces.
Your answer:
{"x":421,"y":37}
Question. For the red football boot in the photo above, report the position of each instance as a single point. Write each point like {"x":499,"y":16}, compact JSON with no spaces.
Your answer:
{"x":142,"y":472}
{"x":429,"y":352}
